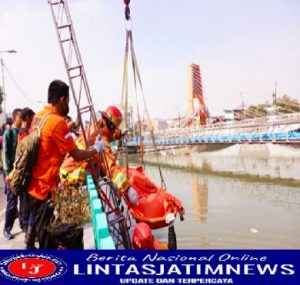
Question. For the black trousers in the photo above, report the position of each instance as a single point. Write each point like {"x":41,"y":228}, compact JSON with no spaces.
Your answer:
{"x":27,"y":217}
{"x":42,"y":211}
{"x":11,"y":210}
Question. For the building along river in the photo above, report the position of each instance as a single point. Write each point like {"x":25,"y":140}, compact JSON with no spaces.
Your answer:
{"x":229,"y":208}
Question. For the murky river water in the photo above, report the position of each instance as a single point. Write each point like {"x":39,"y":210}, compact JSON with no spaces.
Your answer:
{"x":224,"y":212}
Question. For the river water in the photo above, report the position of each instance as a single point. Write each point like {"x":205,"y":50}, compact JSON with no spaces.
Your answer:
{"x":224,"y":212}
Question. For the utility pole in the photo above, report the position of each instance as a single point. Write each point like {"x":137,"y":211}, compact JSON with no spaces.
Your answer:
{"x":243,"y":105}
{"x":3,"y":87}
{"x":274,"y":95}
{"x":3,"y":81}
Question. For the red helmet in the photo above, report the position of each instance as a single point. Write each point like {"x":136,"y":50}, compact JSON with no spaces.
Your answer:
{"x":113,"y":114}
{"x":142,"y":237}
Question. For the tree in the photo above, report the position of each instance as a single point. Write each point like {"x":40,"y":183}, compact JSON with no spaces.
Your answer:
{"x":1,"y":99}
{"x":285,"y":105}
{"x":256,"y":111}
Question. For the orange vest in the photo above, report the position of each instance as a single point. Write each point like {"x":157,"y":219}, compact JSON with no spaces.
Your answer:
{"x":70,"y":166}
{"x":55,"y":143}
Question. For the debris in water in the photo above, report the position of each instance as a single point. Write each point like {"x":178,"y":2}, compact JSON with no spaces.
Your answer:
{"x":253,"y":231}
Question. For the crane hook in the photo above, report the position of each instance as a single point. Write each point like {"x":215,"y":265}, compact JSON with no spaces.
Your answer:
{"x":127,"y":13}
{"x":127,"y":10}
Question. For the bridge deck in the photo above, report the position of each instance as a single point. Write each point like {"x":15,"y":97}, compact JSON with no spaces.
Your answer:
{"x":281,"y":129}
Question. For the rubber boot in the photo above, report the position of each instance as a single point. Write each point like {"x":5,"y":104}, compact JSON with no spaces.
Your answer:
{"x":30,"y":238}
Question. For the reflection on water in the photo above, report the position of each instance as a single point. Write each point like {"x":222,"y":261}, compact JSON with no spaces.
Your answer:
{"x":200,"y":192}
{"x":265,"y":161}
{"x":231,"y":213}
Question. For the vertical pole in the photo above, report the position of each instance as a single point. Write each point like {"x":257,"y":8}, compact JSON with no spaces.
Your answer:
{"x":275,"y":93}
{"x":275,"y":98}
{"x":3,"y":81}
{"x":243,"y":106}
{"x":190,"y":93}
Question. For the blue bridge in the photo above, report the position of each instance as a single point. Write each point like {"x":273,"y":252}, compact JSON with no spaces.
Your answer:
{"x":276,"y":129}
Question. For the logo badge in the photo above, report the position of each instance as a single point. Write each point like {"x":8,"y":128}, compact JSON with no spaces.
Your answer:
{"x":32,"y":267}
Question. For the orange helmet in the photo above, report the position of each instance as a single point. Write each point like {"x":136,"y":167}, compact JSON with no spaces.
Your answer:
{"x":142,"y":237}
{"x":114,"y":115}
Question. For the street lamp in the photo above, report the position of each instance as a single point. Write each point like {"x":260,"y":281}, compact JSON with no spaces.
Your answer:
{"x":3,"y":81}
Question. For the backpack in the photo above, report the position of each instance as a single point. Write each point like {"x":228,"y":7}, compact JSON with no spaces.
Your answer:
{"x":26,"y":154}
{"x":64,"y":236}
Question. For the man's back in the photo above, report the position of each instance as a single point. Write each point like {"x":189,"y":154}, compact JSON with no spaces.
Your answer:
{"x":10,"y":138}
{"x":54,"y":144}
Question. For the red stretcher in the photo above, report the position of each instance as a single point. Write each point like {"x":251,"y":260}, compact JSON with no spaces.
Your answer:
{"x":156,"y":206}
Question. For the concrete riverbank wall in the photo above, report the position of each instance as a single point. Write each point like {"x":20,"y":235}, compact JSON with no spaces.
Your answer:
{"x":265,"y":161}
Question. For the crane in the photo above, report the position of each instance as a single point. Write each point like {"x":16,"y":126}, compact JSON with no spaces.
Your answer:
{"x":117,"y":215}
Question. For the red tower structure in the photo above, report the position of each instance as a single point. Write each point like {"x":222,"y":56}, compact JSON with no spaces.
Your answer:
{"x":196,"y":105}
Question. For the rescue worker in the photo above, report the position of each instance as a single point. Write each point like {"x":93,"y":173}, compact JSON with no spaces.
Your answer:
{"x":55,"y":142}
{"x":143,"y":238}
{"x":72,"y":126}
{"x":109,"y":125}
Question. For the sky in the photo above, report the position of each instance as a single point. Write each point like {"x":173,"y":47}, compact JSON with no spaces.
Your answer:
{"x":242,"y":48}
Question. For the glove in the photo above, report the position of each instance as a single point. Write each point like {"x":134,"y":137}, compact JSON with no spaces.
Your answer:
{"x":99,"y":144}
{"x":170,"y":218}
{"x":133,"y":196}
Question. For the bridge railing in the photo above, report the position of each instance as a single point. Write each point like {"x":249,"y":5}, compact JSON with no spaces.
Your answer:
{"x":102,"y":237}
{"x":275,"y":129}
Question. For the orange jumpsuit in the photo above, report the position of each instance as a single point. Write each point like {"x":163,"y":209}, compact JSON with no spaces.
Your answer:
{"x":73,"y":171}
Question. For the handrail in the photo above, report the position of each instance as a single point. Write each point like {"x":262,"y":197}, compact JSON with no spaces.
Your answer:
{"x":103,"y":239}
{"x":280,"y":130}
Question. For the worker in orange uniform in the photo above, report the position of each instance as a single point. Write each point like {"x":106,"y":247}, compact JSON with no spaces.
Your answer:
{"x":55,"y":142}
{"x":109,"y":123}
{"x":143,"y":238}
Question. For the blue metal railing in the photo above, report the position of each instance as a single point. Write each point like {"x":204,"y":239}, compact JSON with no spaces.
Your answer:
{"x":276,"y":129}
{"x":290,"y":136}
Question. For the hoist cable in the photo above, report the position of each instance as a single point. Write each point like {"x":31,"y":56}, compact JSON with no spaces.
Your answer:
{"x":129,"y":36}
{"x":124,"y":101}
{"x":136,"y":73}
